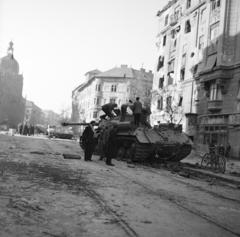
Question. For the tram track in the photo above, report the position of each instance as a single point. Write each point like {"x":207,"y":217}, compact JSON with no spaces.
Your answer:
{"x":176,"y":200}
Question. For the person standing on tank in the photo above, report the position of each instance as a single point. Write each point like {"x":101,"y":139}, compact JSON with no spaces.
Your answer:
{"x":137,"y":111}
{"x":124,"y":110}
{"x":88,"y":141}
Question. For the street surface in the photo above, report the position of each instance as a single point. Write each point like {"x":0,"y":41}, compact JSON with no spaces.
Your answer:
{"x":43,"y":194}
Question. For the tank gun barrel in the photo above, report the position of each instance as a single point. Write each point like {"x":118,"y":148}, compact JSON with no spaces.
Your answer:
{"x":74,"y":124}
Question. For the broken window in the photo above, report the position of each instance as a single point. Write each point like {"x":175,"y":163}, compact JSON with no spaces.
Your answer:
{"x":187,"y":26}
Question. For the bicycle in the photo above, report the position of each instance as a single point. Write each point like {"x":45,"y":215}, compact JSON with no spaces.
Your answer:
{"x":214,"y":160}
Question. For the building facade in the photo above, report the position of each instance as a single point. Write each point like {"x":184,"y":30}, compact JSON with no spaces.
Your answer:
{"x":33,"y":114}
{"x":11,"y":85}
{"x":115,"y":85}
{"x":197,"y":71}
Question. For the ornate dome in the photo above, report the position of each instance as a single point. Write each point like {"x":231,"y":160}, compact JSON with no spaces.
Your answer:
{"x":8,"y":63}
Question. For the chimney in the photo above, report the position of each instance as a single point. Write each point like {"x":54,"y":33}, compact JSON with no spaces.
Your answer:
{"x":124,"y":66}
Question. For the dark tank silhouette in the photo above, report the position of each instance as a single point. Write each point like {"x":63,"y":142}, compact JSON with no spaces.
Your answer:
{"x":165,"y":142}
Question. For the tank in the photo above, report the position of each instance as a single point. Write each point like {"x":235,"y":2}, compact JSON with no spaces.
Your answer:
{"x":163,"y":143}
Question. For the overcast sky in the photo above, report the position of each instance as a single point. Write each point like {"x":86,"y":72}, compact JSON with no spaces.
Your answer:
{"x":57,"y":41}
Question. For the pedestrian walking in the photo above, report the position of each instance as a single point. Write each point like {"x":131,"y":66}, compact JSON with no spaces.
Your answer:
{"x":88,"y":141}
{"x":137,"y":111}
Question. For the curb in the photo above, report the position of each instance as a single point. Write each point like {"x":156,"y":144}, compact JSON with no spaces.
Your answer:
{"x":231,"y":180}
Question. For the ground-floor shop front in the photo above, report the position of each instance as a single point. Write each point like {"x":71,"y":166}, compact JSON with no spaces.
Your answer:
{"x":219,"y":130}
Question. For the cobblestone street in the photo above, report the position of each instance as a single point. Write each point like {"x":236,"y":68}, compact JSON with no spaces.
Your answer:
{"x":43,"y":194}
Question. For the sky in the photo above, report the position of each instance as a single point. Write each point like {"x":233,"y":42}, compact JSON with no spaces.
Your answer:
{"x":57,"y":41}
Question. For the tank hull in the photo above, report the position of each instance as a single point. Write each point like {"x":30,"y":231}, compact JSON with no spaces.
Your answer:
{"x":146,"y":144}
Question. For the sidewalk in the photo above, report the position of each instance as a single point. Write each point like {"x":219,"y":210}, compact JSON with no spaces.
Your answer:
{"x":232,"y":174}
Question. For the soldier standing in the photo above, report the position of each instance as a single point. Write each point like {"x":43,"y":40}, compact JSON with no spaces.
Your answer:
{"x":137,"y":111}
{"x":88,"y":141}
{"x":111,"y":145}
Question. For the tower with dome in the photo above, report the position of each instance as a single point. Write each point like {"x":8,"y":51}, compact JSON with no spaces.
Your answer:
{"x":12,"y":103}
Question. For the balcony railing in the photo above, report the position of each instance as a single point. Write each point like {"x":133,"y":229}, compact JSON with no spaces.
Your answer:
{"x":215,"y":105}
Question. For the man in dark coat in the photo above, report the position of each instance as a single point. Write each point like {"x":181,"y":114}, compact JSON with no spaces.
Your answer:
{"x":107,"y":109}
{"x":111,"y":145}
{"x":88,"y":141}
{"x":137,"y":111}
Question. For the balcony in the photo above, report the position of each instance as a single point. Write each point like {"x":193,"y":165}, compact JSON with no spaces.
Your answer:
{"x":215,"y":105}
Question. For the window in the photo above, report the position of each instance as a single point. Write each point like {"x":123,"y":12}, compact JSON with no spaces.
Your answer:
{"x":95,"y":114}
{"x":214,"y":31}
{"x":187,"y":26}
{"x":238,"y":93}
{"x":173,"y":33}
{"x":180,"y":101}
{"x":112,"y":100}
{"x":216,"y":4}
{"x":98,"y":101}
{"x":160,"y":62}
{"x":160,"y":103}
{"x":213,"y":40}
{"x":169,"y":103}
{"x":215,"y":91}
{"x":183,"y":63}
{"x":166,"y":20}
{"x":201,"y":42}
{"x":161,"y":82}
{"x":164,"y":40}
{"x":182,"y":74}
{"x":171,"y":66}
{"x":203,"y":15}
{"x":98,"y":87}
{"x":188,"y":3}
{"x":113,"y":88}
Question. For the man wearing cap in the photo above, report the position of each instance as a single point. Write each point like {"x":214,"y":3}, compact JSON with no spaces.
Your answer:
{"x":88,"y":141}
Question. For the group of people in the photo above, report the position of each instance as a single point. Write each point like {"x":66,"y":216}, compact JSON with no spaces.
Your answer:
{"x":107,"y":137}
{"x":106,"y":142}
{"x":26,"y":129}
{"x":136,"y":108}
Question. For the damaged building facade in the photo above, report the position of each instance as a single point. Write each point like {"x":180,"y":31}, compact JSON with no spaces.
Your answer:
{"x":197,"y":74}
{"x":116,"y":85}
{"x":12,"y":104}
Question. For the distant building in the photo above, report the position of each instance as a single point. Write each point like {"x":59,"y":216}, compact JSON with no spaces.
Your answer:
{"x":198,"y":69}
{"x":11,"y":85}
{"x":33,"y":114}
{"x":115,"y":85}
{"x":51,"y":118}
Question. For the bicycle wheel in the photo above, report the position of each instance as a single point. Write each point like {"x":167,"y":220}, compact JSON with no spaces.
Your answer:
{"x":205,"y":160}
{"x":222,"y":164}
